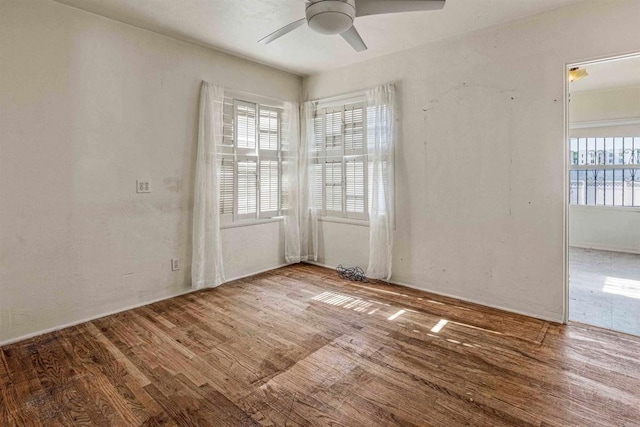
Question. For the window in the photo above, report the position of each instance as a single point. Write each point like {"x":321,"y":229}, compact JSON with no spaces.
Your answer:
{"x":251,"y":174}
{"x":604,"y":171}
{"x":340,"y":170}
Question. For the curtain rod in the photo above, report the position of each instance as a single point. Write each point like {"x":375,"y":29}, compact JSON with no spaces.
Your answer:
{"x":334,"y":98}
{"x":255,"y":95}
{"x":340,"y":97}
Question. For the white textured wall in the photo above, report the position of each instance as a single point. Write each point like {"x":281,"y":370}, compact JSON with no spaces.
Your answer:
{"x":597,"y":227}
{"x":87,"y":106}
{"x":605,"y":228}
{"x":610,"y":104}
{"x":480,"y":165}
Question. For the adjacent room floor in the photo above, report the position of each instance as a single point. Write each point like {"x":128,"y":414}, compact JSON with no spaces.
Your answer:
{"x":604,"y":289}
{"x":298,"y":346}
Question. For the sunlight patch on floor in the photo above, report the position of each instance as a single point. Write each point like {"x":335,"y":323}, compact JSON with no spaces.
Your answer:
{"x":624,"y":287}
{"x":396,"y":314}
{"x":345,"y":301}
{"x":438,"y":327}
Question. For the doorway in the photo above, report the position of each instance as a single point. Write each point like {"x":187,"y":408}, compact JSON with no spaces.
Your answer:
{"x":604,"y":193}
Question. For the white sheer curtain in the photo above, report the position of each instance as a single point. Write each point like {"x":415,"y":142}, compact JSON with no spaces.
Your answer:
{"x":380,"y":148}
{"x":206,"y":265}
{"x":308,"y":186}
{"x":290,"y":181}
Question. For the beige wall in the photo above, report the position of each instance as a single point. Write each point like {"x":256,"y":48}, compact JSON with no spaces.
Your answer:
{"x":601,"y":105}
{"x":87,"y":106}
{"x":480,"y":164}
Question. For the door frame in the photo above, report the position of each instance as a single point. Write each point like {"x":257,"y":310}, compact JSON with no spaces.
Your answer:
{"x":567,"y":66}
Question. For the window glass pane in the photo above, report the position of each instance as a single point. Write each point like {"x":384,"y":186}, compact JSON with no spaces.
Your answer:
{"x":582,"y":151}
{"x":628,"y":154}
{"x":573,"y":187}
{"x":612,"y":180}
{"x":573,"y":151}
{"x":630,"y":187}
{"x":618,"y":151}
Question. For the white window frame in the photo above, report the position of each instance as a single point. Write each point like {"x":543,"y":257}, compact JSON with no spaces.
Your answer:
{"x":232,"y":152}
{"x":342,"y":155}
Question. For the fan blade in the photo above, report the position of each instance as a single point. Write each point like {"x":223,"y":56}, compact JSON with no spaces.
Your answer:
{"x":376,"y":7}
{"x":354,"y":39}
{"x":282,"y":31}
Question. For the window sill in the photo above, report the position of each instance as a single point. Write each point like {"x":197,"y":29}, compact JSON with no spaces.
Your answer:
{"x":635,"y":209}
{"x":349,"y":221}
{"x":250,"y":222}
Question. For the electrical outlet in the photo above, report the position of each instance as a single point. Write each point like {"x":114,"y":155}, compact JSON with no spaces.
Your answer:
{"x":175,"y":264}
{"x":143,"y":186}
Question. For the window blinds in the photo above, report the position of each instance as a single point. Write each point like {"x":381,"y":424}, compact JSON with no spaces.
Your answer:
{"x":339,"y":141}
{"x":251,"y":161}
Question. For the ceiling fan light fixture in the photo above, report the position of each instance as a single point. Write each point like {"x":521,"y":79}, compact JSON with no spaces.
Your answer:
{"x":576,"y":73}
{"x":336,"y":17}
{"x":331,"y":16}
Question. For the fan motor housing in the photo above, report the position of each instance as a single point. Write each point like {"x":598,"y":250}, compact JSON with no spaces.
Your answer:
{"x":331,"y":16}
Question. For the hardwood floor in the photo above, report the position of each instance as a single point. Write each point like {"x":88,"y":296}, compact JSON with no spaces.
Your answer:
{"x":298,"y":346}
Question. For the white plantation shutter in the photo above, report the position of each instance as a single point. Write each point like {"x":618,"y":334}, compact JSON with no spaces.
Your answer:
{"x":269,"y":188}
{"x":247,"y":185}
{"x":226,"y":187}
{"x":354,"y":129}
{"x":334,"y":136}
{"x":355,"y":187}
{"x":318,"y":134}
{"x":251,"y":175}
{"x":269,"y":128}
{"x":333,"y":186}
{"x":339,"y":136}
{"x":228,"y":121}
{"x":245,"y":126}
{"x":316,"y":185}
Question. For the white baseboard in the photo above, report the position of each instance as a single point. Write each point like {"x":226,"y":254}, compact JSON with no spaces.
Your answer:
{"x":88,"y":319}
{"x":498,"y":307}
{"x":605,"y":248}
{"x":257,"y":272}
{"x":120,"y":310}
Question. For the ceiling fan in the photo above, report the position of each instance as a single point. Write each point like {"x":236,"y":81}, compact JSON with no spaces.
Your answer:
{"x":337,"y":16}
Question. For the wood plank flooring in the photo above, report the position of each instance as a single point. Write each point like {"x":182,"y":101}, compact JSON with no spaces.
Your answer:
{"x":299,"y":346}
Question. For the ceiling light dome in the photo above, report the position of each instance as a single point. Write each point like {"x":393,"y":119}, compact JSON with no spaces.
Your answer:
{"x":331,"y":16}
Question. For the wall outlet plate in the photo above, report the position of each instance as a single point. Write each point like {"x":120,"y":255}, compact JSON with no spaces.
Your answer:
{"x":143,"y":186}
{"x":175,"y":264}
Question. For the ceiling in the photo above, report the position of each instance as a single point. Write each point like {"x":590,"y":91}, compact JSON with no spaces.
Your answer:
{"x":235,"y":26}
{"x":609,"y":75}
